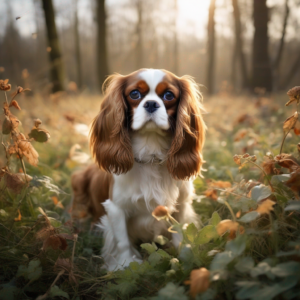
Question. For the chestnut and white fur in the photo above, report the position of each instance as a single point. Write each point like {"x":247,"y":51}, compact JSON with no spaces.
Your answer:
{"x":147,"y":141}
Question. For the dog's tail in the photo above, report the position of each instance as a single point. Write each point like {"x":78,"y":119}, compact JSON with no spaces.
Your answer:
{"x":81,"y":203}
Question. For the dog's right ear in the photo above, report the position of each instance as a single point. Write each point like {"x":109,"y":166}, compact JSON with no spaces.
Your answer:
{"x":109,"y":137}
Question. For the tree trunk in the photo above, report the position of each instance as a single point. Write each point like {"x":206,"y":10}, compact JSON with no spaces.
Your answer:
{"x":139,"y":34}
{"x":281,"y":45}
{"x":211,"y":47}
{"x":295,"y":68}
{"x":261,"y":68}
{"x":239,"y":43}
{"x":77,"y":47}
{"x":56,"y":63}
{"x":175,"y":39}
{"x":102,"y":65}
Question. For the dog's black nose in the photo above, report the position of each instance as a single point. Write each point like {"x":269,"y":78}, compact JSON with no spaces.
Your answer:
{"x":151,"y":106}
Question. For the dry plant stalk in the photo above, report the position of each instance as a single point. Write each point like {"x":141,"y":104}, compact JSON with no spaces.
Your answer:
{"x":18,"y":144}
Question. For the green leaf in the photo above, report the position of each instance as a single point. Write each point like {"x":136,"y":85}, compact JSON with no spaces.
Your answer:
{"x":237,"y":246}
{"x":34,"y":270}
{"x":286,"y":269}
{"x":260,"y":269}
{"x":57,"y":292}
{"x":171,"y":292}
{"x":249,"y":217}
{"x":206,"y":234}
{"x":150,"y":248}
{"x":9,"y":292}
{"x":269,"y":292}
{"x":191,"y":232}
{"x":161,"y":240}
{"x":221,"y":260}
{"x":280,"y":178}
{"x":209,"y":294}
{"x":163,"y":254}
{"x":260,"y":192}
{"x":293,"y":205}
{"x":154,"y":258}
{"x":245,"y":264}
{"x":248,"y":289}
{"x":215,"y":219}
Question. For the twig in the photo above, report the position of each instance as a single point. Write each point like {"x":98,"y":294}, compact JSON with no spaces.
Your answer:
{"x":49,"y":290}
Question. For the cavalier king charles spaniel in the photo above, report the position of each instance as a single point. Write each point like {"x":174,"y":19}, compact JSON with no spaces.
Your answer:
{"x":147,"y":141}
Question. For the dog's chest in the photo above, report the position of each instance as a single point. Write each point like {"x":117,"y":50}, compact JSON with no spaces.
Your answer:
{"x":148,"y":183}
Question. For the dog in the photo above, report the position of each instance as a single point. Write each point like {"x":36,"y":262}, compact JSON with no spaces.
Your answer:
{"x":147,"y":142}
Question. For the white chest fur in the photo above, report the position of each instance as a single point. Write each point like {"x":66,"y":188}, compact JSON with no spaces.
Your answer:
{"x":148,"y":184}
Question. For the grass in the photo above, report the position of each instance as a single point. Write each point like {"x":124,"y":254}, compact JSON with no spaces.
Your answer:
{"x":43,"y":254}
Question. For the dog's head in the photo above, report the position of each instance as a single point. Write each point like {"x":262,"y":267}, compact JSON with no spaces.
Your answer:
{"x":149,"y":99}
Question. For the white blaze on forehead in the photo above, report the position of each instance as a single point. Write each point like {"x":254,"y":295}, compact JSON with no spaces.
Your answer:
{"x":152,"y":77}
{"x":160,"y":117}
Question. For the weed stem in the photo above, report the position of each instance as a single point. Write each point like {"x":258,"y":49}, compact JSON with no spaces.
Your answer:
{"x":258,"y":166}
{"x":231,"y":211}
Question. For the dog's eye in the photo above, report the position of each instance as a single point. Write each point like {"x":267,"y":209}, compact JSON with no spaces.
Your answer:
{"x":168,"y":96}
{"x":135,"y":95}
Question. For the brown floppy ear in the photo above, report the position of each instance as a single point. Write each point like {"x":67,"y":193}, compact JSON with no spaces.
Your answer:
{"x":109,"y":138}
{"x":185,"y":155}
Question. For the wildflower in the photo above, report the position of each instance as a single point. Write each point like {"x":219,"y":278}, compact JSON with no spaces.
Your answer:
{"x":27,"y":150}
{"x":4,"y":85}
{"x":199,"y":281}
{"x":294,"y":95}
{"x":266,"y":207}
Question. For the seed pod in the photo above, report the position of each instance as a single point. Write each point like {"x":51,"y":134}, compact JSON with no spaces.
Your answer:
{"x":6,"y":126}
{"x":40,"y":135}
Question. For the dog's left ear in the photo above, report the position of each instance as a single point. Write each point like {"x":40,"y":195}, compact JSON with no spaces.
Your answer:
{"x":185,"y":155}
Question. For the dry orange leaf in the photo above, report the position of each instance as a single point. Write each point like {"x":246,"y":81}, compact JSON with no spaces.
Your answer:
{"x":238,"y":214}
{"x":199,"y":281}
{"x":211,"y":193}
{"x":294,"y":181}
{"x":220,"y":184}
{"x":4,"y":85}
{"x":19,"y":216}
{"x":266,"y":207}
{"x":290,"y":122}
{"x":15,"y":104}
{"x":294,"y":95}
{"x":57,"y":202}
{"x":232,"y":227}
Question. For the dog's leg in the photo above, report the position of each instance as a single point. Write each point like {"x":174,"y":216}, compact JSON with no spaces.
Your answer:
{"x":117,"y":222}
